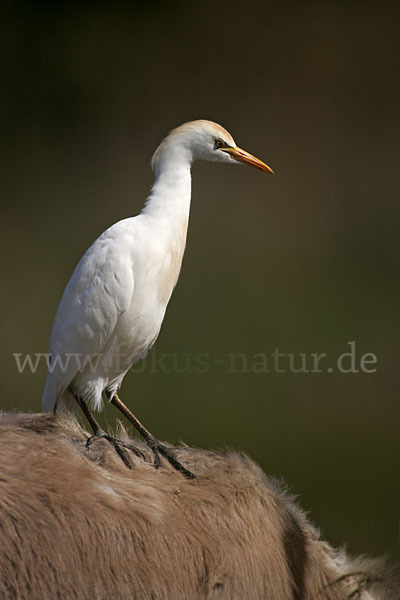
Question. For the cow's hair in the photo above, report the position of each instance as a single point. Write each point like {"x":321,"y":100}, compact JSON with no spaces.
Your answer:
{"x":77,"y":524}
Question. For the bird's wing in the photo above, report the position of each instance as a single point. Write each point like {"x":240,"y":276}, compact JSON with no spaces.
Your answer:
{"x":99,"y":291}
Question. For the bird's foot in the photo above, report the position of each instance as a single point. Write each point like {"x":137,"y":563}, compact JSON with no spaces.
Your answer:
{"x":118,"y":444}
{"x":157,"y":448}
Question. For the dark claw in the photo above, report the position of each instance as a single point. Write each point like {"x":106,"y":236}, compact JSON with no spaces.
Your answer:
{"x":117,"y":443}
{"x":156,"y":454}
{"x":96,"y":436}
{"x":158,"y":448}
{"x":123,"y":456}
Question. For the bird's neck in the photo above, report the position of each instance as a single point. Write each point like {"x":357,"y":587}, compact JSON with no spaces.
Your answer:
{"x":169,"y":200}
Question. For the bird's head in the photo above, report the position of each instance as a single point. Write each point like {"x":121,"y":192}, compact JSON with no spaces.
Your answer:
{"x":204,"y":140}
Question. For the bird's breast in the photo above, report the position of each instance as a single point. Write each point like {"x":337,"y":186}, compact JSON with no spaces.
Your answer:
{"x":163,"y":261}
{"x":155,"y":259}
{"x":168,"y":272}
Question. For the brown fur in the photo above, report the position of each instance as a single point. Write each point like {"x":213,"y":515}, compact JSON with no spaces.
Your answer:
{"x":77,"y":524}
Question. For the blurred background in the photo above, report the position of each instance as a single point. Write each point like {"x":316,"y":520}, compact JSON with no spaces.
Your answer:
{"x":304,"y":262}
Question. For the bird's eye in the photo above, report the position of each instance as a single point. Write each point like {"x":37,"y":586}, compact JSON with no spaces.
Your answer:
{"x":219,"y":144}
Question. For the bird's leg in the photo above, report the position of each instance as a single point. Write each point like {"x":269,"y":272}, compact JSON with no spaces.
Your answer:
{"x":99,"y":433}
{"x":156,"y":447}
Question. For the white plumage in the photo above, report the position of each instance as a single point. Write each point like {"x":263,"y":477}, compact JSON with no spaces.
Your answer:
{"x":114,"y":304}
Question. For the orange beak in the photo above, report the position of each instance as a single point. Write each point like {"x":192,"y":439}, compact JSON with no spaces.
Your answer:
{"x":248,"y":159}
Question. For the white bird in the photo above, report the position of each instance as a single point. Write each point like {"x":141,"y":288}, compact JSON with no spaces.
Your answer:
{"x":114,"y":304}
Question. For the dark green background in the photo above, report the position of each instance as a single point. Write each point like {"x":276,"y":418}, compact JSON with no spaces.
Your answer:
{"x":305,"y":261}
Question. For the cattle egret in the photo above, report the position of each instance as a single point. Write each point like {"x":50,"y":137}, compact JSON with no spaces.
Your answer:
{"x":114,"y":304}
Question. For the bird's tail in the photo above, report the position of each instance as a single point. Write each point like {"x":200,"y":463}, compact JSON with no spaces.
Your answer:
{"x":49,"y":396}
{"x":54,"y":400}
